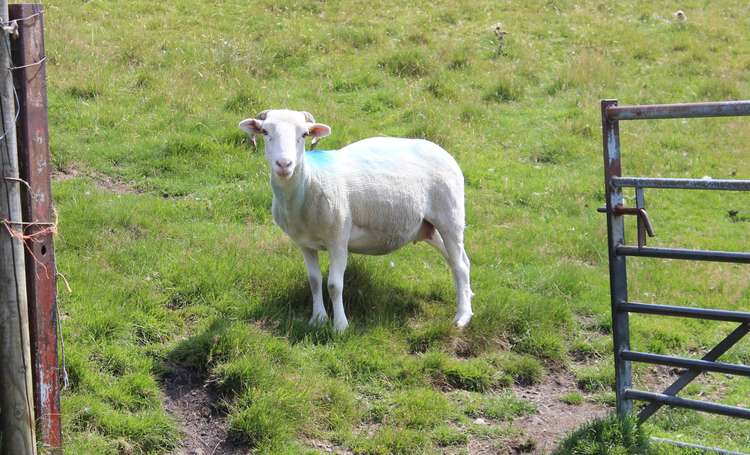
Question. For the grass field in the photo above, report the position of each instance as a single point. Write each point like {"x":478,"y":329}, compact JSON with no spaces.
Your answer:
{"x":167,"y":240}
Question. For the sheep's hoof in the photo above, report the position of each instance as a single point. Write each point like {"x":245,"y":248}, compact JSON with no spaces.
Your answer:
{"x":462,"y":319}
{"x":318,"y":319}
{"x":340,"y":326}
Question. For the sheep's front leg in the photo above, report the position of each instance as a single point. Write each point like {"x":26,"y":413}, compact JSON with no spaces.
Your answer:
{"x":338,"y":257}
{"x":319,"y":315}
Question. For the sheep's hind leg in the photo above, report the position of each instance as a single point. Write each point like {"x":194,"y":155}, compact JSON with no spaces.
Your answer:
{"x":452,"y":246}
{"x":319,"y":315}
{"x":338,"y":258}
{"x":437,"y":242}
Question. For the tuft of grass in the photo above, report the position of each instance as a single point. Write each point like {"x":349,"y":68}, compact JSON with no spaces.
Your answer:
{"x":423,"y":339}
{"x":354,"y":82}
{"x":471,"y":374}
{"x":392,"y":441}
{"x":267,"y":420}
{"x":439,"y":89}
{"x":407,"y":63}
{"x":84,"y":92}
{"x":471,"y":113}
{"x":447,"y":436}
{"x":573,"y":398}
{"x":245,"y":103}
{"x":505,"y":90}
{"x":380,"y":101}
{"x":542,"y":343}
{"x":506,"y":407}
{"x":459,"y":59}
{"x":595,"y":347}
{"x":608,"y":435}
{"x":524,"y":370}
{"x":431,"y":130}
{"x":421,"y":409}
{"x":358,"y":37}
{"x":595,"y":378}
{"x":497,"y":406}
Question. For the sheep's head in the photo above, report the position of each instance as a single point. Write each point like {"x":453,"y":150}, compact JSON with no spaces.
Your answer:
{"x":284,"y":134}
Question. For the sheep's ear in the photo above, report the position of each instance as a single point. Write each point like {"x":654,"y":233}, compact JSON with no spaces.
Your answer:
{"x":319,"y":130}
{"x":252,"y":126}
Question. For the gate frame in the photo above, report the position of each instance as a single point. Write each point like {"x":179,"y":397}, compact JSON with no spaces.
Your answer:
{"x":621,"y":307}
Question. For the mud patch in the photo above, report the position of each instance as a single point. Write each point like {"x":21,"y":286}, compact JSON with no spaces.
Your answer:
{"x":554,"y":419}
{"x":195,"y":406}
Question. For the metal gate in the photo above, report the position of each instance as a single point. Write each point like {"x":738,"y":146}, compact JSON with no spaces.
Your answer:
{"x":616,"y":210}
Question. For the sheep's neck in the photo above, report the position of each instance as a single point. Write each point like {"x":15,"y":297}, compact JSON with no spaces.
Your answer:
{"x":290,"y":193}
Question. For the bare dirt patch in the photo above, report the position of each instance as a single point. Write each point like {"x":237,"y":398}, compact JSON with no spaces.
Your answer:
{"x":105,"y":182}
{"x":327,"y":447}
{"x":195,"y":406}
{"x":554,"y":419}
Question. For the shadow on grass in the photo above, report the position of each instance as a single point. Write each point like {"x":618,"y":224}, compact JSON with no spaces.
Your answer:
{"x":370,"y":301}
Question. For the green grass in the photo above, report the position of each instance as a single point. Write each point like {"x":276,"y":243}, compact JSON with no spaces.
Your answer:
{"x":502,"y":406}
{"x":524,"y":370}
{"x":183,"y":265}
{"x":572,"y":398}
{"x":611,"y":435}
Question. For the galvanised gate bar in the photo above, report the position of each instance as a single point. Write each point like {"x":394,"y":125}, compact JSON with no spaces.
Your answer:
{"x":614,"y":183}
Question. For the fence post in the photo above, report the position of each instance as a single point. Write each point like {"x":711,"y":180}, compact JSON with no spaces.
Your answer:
{"x":16,"y":396}
{"x":30,"y":77}
{"x":618,"y":278}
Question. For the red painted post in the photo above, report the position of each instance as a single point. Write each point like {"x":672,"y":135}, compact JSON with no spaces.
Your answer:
{"x":30,"y":78}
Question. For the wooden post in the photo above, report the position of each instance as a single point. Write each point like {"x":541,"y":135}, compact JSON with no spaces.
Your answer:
{"x":30,"y":77}
{"x":16,"y":395}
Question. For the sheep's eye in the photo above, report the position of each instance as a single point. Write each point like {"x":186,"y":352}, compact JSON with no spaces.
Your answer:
{"x":305,"y":134}
{"x":265,"y":133}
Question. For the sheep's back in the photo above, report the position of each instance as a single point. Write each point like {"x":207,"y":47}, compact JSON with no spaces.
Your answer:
{"x":391,"y":184}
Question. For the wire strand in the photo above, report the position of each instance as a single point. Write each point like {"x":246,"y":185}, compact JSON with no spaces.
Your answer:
{"x":22,"y":19}
{"x":12,"y":68}
{"x":21,"y":181}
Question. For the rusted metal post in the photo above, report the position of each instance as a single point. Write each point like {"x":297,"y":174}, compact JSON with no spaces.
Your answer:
{"x":16,"y":394}
{"x":618,"y":278}
{"x":30,"y":77}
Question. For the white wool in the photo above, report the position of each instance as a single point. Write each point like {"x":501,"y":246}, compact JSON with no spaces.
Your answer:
{"x":370,"y":197}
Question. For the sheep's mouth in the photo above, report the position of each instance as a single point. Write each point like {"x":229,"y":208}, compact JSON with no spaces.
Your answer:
{"x":284,"y":173}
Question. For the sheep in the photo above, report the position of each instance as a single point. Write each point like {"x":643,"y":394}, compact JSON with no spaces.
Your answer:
{"x":680,"y":16}
{"x":371,"y":197}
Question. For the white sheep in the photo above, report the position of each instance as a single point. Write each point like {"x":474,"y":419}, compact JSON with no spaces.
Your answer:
{"x":370,"y":197}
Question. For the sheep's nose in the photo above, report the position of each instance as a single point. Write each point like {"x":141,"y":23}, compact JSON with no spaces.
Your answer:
{"x":283,"y":164}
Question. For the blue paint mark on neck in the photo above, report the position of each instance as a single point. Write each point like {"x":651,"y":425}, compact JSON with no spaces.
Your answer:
{"x":291,"y":194}
{"x":320,"y":158}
